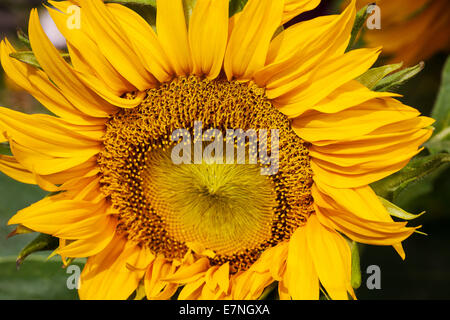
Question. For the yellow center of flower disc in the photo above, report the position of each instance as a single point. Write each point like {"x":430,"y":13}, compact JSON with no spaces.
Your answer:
{"x":226,"y":208}
{"x":231,"y":208}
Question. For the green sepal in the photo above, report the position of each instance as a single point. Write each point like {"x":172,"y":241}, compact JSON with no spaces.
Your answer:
{"x":69,"y":261}
{"x":439,"y":142}
{"x":394,"y":81}
{"x":418,"y":168}
{"x":188,"y":6}
{"x":28,"y":57}
{"x":398,"y":212}
{"x":20,"y":229}
{"x":23,"y":38}
{"x":268,"y":291}
{"x":373,"y":76}
{"x":42,"y":242}
{"x":360,"y":19}
{"x":236,"y":6}
{"x":140,"y":292}
{"x":356,"y":266}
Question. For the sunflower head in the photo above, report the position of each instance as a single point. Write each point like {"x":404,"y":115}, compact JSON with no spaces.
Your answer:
{"x":215,"y":154}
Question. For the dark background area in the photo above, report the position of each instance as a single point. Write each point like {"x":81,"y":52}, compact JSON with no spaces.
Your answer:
{"x":423,"y":275}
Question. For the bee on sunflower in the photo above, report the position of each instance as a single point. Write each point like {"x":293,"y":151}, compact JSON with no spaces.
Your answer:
{"x":206,"y":231}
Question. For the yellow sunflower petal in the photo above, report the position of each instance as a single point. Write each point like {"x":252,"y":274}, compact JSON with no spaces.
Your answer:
{"x":46,"y":134}
{"x":62,"y":74}
{"x":259,"y":281}
{"x":363,"y":205}
{"x":173,"y":34}
{"x":106,"y":275}
{"x":208,"y":35}
{"x":144,"y":40}
{"x":331,"y":256}
{"x":366,"y":228}
{"x":13,"y":169}
{"x":98,"y":87}
{"x":371,"y":141}
{"x":240,"y":286}
{"x":156,"y":289}
{"x":250,"y":38}
{"x":369,"y":157}
{"x":37,"y":84}
{"x":50,"y":216}
{"x":293,"y":8}
{"x":301,"y":47}
{"x":85,"y":54}
{"x":273,"y":260}
{"x":93,"y":245}
{"x":86,"y":169}
{"x":217,"y":278}
{"x":43,"y":164}
{"x":84,"y":229}
{"x":346,"y":96}
{"x":249,"y":285}
{"x":192,"y":291}
{"x":300,"y":94}
{"x":300,"y":278}
{"x":114,"y":44}
{"x":343,"y":180}
{"x":353,"y":122}
{"x":190,"y":272}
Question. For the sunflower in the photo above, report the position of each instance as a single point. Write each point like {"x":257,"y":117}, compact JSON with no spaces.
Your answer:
{"x":411,"y":31}
{"x":206,"y":230}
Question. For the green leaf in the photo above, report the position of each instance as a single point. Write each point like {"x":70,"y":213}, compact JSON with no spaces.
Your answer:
{"x":441,"y":109}
{"x":398,"y":212}
{"x":23,"y":195}
{"x":439,"y":142}
{"x":371,"y":77}
{"x":417,"y":169}
{"x":236,"y":6}
{"x":36,"y":279}
{"x":360,"y":19}
{"x":29,"y":57}
{"x":42,"y":242}
{"x":20,"y":229}
{"x":396,"y":80}
{"x":356,"y":267}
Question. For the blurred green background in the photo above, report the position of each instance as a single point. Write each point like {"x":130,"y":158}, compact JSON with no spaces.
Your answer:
{"x":423,"y":275}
